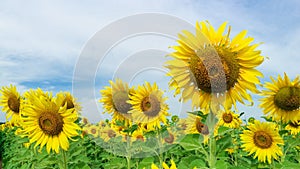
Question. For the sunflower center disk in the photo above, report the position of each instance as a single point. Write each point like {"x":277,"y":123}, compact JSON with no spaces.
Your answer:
{"x":214,"y":70}
{"x":14,"y":104}
{"x":201,"y":128}
{"x":120,"y":102}
{"x":51,"y":123}
{"x":93,"y":131}
{"x":227,"y":117}
{"x":170,"y":139}
{"x":111,"y":133}
{"x":262,"y":139}
{"x":288,"y":98}
{"x":150,"y":106}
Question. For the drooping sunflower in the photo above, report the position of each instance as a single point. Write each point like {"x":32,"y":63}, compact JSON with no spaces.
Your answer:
{"x":229,"y":119}
{"x":63,"y":98}
{"x":148,"y":106}
{"x":263,"y":139}
{"x":48,"y":124}
{"x":282,"y":99}
{"x":208,"y":67}
{"x":294,"y":127}
{"x":115,"y":100}
{"x":10,"y":101}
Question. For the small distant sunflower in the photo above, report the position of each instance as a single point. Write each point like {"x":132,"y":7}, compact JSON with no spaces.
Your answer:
{"x":93,"y":130}
{"x":229,"y":119}
{"x":170,"y":137}
{"x":115,"y":100}
{"x":10,"y":101}
{"x":138,"y":135}
{"x":263,"y":139}
{"x":294,"y":127}
{"x":46,"y":123}
{"x":85,"y":121}
{"x":208,"y":66}
{"x":108,"y":133}
{"x":148,"y":106}
{"x":282,"y":99}
{"x":63,"y":98}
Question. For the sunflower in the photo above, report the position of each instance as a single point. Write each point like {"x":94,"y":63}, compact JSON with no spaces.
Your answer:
{"x":10,"y":101}
{"x":108,"y":133}
{"x":294,"y":127}
{"x":196,"y":126}
{"x":208,"y":66}
{"x":170,"y":137}
{"x":148,"y":106}
{"x":63,"y":98}
{"x":46,"y":123}
{"x":263,"y":139}
{"x":138,"y":135}
{"x":229,"y":119}
{"x":115,"y":100}
{"x":93,"y":130}
{"x":282,"y":99}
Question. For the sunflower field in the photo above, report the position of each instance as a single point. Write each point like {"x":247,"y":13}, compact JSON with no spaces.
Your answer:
{"x":215,"y":72}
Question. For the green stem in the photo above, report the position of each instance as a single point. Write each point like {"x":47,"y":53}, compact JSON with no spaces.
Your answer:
{"x":128,"y":157}
{"x":64,"y":159}
{"x":211,"y":122}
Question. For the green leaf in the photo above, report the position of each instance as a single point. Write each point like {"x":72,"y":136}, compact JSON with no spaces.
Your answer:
{"x":192,"y":142}
{"x":146,"y":162}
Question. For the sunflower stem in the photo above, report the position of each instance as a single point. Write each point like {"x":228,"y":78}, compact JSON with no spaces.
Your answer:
{"x":211,"y":122}
{"x":64,"y":159}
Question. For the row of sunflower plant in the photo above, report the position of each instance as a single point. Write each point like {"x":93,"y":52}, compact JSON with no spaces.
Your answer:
{"x":207,"y":68}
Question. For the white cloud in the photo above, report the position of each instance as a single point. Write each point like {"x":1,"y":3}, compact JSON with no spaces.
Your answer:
{"x":41,"y":40}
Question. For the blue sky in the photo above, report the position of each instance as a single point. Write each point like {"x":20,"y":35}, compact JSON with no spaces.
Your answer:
{"x":41,"y":41}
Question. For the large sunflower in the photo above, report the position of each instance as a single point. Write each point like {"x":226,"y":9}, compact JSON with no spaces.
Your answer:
{"x":10,"y":101}
{"x":46,"y":123}
{"x":209,"y":65}
{"x":148,"y":106}
{"x":229,"y":119}
{"x":115,"y":100}
{"x":263,"y":139}
{"x":282,"y":99}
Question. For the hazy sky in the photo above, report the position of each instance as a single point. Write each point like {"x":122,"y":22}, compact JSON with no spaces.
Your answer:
{"x":41,"y":41}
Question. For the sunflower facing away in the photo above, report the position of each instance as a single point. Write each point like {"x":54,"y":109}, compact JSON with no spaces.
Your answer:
{"x":263,"y":139}
{"x":294,"y":127}
{"x":10,"y":101}
{"x":148,"y":106}
{"x":282,"y":99}
{"x":115,"y":100}
{"x":48,"y":124}
{"x":229,"y":119}
{"x":209,"y":65}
